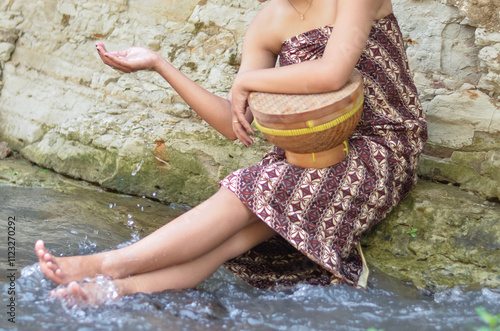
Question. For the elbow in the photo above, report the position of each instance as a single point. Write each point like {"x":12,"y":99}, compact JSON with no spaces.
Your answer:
{"x":333,"y":84}
{"x":230,"y":135}
{"x":334,"y":78}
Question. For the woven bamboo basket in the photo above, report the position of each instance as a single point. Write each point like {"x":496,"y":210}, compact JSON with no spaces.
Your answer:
{"x":309,"y":124}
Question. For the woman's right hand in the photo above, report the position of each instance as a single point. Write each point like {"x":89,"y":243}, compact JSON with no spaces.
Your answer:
{"x":129,"y":60}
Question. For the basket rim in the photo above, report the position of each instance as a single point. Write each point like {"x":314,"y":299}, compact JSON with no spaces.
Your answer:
{"x":311,"y":128}
{"x":355,"y":83}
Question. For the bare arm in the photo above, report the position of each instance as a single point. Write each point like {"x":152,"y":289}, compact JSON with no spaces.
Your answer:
{"x":215,"y":110}
{"x":329,"y":73}
{"x":352,"y":27}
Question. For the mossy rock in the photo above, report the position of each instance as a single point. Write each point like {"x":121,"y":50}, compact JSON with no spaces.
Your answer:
{"x":457,"y":241}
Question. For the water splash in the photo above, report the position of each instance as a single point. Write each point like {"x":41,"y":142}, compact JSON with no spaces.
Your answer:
{"x":139,"y":166}
{"x":133,"y":228}
{"x":103,"y":291}
{"x":145,"y":96}
{"x":87,"y":246}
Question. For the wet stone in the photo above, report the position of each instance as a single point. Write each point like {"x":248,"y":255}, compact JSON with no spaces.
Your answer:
{"x":75,"y":217}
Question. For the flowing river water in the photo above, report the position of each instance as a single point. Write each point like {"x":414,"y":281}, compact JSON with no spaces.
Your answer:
{"x":79,"y":218}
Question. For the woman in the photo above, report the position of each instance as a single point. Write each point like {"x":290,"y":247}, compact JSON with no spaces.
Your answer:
{"x":319,"y":214}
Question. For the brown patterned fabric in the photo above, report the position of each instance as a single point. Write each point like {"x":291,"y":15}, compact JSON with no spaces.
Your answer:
{"x":320,"y":214}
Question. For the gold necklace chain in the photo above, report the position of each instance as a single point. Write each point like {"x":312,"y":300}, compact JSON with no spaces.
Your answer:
{"x":301,"y":14}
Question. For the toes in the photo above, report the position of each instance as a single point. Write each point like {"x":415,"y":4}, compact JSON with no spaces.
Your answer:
{"x":40,"y":253}
{"x":43,"y":255}
{"x":39,"y":245}
{"x":40,"y":249}
{"x":47,"y":257}
{"x":47,"y":271}
{"x":59,"y":273}
{"x":52,"y":266}
{"x":59,"y":292}
{"x":52,"y":271}
{"x":76,"y":290}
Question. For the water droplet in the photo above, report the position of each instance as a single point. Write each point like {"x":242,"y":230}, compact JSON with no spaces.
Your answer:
{"x":73,"y":232}
{"x":152,"y":131}
{"x":129,"y":216}
{"x":138,"y":206}
{"x":111,"y":206}
{"x":153,"y":195}
{"x":130,"y":223}
{"x":139,"y":166}
{"x":142,"y":208}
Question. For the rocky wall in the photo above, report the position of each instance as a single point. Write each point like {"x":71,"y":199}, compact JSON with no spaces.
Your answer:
{"x":67,"y":111}
{"x":454,"y":49}
{"x":53,"y":84}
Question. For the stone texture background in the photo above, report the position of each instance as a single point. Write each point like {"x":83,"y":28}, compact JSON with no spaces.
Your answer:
{"x":64,"y":110}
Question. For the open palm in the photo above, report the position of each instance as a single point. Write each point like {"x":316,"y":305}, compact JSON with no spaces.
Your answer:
{"x":129,"y":60}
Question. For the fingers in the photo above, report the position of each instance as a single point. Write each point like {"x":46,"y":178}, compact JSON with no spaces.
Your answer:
{"x":241,"y":132}
{"x":244,"y":122}
{"x":113,"y":59}
{"x":241,"y":125}
{"x":242,"y":129}
{"x":100,"y":47}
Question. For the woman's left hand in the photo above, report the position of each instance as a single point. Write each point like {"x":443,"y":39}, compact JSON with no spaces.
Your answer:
{"x":239,"y":103}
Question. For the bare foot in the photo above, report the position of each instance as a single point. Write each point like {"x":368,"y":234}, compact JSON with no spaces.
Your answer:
{"x":93,"y":292}
{"x":63,"y":270}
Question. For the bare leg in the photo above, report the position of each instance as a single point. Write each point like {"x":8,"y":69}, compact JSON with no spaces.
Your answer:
{"x":191,"y":235}
{"x":182,"y":276}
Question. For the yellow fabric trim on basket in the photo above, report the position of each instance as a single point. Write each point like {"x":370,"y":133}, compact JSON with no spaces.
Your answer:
{"x":346,"y":148}
{"x":310,"y":129}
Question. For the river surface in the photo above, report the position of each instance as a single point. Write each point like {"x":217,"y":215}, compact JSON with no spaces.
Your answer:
{"x":84,"y":220}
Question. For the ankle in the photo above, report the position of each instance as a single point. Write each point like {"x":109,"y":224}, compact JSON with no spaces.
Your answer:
{"x":108,"y":266}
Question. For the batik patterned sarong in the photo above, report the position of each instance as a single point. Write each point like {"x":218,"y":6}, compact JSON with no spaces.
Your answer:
{"x":320,"y":214}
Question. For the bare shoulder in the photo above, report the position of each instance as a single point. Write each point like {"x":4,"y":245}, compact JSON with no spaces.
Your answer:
{"x":375,"y":9}
{"x":269,"y":27}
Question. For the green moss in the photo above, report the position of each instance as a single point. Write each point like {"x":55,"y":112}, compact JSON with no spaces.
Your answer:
{"x":478,"y":172}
